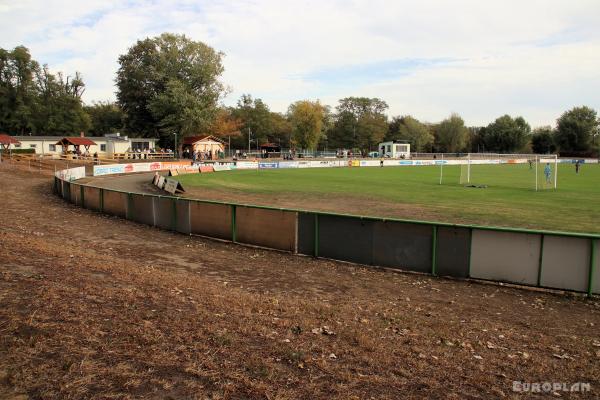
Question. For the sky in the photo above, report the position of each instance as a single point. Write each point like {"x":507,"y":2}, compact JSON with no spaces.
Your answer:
{"x":427,"y":58}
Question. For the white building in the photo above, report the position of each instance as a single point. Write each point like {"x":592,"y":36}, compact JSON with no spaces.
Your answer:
{"x":394,"y":149}
{"x":106,"y":145}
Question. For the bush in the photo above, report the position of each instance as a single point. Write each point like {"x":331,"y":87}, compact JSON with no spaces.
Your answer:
{"x":18,"y":151}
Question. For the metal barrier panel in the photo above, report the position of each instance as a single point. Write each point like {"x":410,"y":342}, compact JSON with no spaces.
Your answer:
{"x":91,"y":198}
{"x":75,"y":192}
{"x":306,"y":233}
{"x":165,"y":212}
{"x":183,"y":216}
{"x":210,"y":219}
{"x":505,"y":256}
{"x":566,"y":263}
{"x":402,"y":245}
{"x":269,"y":228}
{"x":345,"y":238}
{"x":66,"y":190}
{"x":453,"y":248}
{"x":142,"y":209}
{"x":115,"y":203}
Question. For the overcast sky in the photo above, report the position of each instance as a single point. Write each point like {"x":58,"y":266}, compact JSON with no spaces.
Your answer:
{"x":425,"y":58}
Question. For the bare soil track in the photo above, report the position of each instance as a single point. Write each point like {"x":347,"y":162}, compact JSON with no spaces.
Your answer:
{"x":96,"y":307}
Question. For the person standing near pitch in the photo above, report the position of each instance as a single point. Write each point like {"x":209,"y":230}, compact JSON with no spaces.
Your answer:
{"x":548,"y":172}
{"x":577,"y":166}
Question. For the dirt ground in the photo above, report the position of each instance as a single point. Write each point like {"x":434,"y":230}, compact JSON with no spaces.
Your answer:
{"x":93,"y":306}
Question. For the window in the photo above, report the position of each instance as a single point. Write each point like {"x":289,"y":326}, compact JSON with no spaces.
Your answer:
{"x":389,"y":148}
{"x":17,"y":145}
{"x":32,"y":146}
{"x":52,"y":147}
{"x":103,"y":147}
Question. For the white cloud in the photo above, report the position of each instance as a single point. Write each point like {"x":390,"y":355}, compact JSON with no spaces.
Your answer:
{"x":533,"y":58}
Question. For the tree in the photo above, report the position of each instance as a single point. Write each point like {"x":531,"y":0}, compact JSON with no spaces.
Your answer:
{"x":256,"y":118}
{"x":408,"y":128}
{"x":451,"y":135}
{"x":225,"y":124}
{"x":576,"y":129}
{"x":306,"y":118}
{"x":106,"y":117}
{"x":506,"y":135}
{"x":359,"y":122}
{"x":169,"y":84}
{"x":542,"y":140}
{"x":33,"y":100}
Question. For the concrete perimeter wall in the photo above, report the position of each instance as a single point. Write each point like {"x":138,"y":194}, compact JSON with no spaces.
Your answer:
{"x":525,"y":257}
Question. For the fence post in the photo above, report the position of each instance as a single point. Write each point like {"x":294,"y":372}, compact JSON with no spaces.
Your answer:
{"x":81,"y":195}
{"x":541,"y":260}
{"x":593,"y":254}
{"x":316,"y":235}
{"x":233,"y":223}
{"x":434,"y":251}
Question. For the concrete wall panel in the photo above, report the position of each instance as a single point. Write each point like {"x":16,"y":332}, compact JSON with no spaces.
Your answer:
{"x":115,"y":203}
{"x":346,"y":238}
{"x":213,"y":220}
{"x":505,"y":256}
{"x":91,"y":198}
{"x":268,"y":228}
{"x":453,"y":246}
{"x":402,"y":245}
{"x":565,"y":263}
{"x":142,"y":209}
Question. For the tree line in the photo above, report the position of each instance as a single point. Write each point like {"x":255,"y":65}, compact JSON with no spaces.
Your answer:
{"x":169,"y":86}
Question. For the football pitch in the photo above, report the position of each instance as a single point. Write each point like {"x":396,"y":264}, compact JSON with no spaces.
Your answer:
{"x":414,"y":192}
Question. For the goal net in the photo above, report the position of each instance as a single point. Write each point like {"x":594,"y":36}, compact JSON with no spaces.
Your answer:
{"x":528,"y":171}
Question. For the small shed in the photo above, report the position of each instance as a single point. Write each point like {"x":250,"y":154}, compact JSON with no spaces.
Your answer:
{"x":394,"y":149}
{"x":6,"y":141}
{"x":76,"y":142}
{"x":208,"y":145}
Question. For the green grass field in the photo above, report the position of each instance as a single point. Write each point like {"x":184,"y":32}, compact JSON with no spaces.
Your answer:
{"x":509,"y":200}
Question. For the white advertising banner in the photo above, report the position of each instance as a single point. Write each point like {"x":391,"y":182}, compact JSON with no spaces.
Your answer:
{"x":219,"y":168}
{"x":288,"y":164}
{"x":370,"y":163}
{"x":71,"y":174}
{"x":109,"y":169}
{"x":246,"y":165}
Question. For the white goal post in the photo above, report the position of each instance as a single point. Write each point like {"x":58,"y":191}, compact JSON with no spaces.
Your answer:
{"x":541,"y":174}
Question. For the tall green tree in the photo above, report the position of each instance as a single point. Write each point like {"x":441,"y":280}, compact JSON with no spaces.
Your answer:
{"x":306,"y":118}
{"x":506,"y":135}
{"x":33,"y":100}
{"x":169,"y":85}
{"x":542,"y":140}
{"x":451,"y":135}
{"x":359,"y":122}
{"x":414,"y":132}
{"x":256,"y":120}
{"x":575,"y":129}
{"x":106,"y":117}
